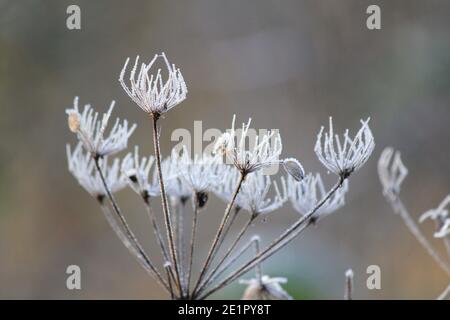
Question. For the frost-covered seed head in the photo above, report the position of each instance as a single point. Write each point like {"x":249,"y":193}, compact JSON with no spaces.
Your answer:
{"x":202,"y":173}
{"x":82,"y":167}
{"x":343,"y":158}
{"x":149,"y":91}
{"x":305,"y":195}
{"x":440,"y":216}
{"x":254,"y":195}
{"x":137,"y":171}
{"x":265,"y":288}
{"x":391,"y":172}
{"x":90,"y":130}
{"x":176,"y":187}
{"x":265,"y":151}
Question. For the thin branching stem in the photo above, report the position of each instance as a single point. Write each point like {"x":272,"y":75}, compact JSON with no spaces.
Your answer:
{"x":192,"y":243}
{"x":167,"y":218}
{"x":157,"y":231}
{"x":218,"y":235}
{"x":180,"y":237}
{"x":126,"y":242}
{"x":400,"y":208}
{"x":129,"y":234}
{"x":348,"y":285}
{"x":229,"y":251}
{"x":258,"y":268}
{"x":169,"y":273}
{"x":227,"y":264}
{"x":277,"y":244}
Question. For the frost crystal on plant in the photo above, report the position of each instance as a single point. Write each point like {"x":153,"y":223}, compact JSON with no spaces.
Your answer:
{"x":150,"y":92}
{"x":343,"y":158}
{"x":305,"y":195}
{"x":137,"y":171}
{"x":440,"y":216}
{"x":263,"y":152}
{"x":200,"y":173}
{"x":391,"y":171}
{"x":82,"y":167}
{"x":254,"y":195}
{"x":266,"y":288}
{"x":176,"y":187}
{"x":91,"y":130}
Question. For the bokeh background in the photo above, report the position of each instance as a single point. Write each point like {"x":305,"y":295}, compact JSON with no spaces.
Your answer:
{"x":288,"y":64}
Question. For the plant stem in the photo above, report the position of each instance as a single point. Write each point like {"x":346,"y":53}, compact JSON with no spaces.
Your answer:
{"x":167,"y":219}
{"x":226,"y":265}
{"x":349,"y":285}
{"x":229,"y":251}
{"x":219,"y":231}
{"x":157,"y":231}
{"x":277,"y":244}
{"x":193,"y":234}
{"x":129,"y":234}
{"x":126,"y":242}
{"x":399,"y":207}
{"x":258,"y":269}
{"x":168,"y":271}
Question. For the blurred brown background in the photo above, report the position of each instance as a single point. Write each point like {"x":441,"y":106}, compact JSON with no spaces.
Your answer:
{"x":289,"y":65}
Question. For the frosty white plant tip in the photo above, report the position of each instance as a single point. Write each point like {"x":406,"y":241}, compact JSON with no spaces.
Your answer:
{"x":247,"y":155}
{"x":137,"y":171}
{"x":305,"y":195}
{"x":82,"y":167}
{"x":349,"y":273}
{"x":149,"y":91}
{"x":391,"y":172}
{"x":346,"y":156}
{"x":90,"y":130}
{"x":441,"y":216}
{"x":266,"y":288}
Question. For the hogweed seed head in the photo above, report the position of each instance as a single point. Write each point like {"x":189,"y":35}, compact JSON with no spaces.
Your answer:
{"x":441,"y":216}
{"x":149,"y":91}
{"x":265,"y":150}
{"x":137,"y":171}
{"x":391,"y":172}
{"x":305,"y":195}
{"x":343,"y":158}
{"x":90,"y":130}
{"x":82,"y":167}
{"x":254,"y":193}
{"x":265,"y":288}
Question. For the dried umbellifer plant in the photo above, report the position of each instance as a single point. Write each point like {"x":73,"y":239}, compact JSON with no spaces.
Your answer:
{"x":392,"y":172}
{"x":233,"y":172}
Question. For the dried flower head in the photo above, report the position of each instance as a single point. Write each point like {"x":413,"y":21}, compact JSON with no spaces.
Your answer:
{"x":305,"y":195}
{"x":150,"y":92}
{"x":392,"y":172}
{"x":82,"y":167}
{"x":440,"y":216}
{"x":265,"y":288}
{"x":345,"y":158}
{"x":91,"y":130}
{"x":176,"y":187}
{"x":137,"y":171}
{"x":254,"y":193}
{"x":265,"y":151}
